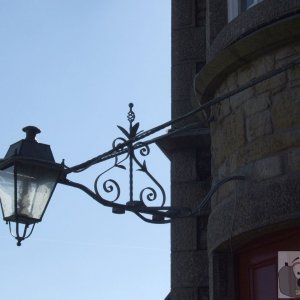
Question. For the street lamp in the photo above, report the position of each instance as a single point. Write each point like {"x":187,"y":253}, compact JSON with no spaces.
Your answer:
{"x":28,"y":177}
{"x":29,"y":174}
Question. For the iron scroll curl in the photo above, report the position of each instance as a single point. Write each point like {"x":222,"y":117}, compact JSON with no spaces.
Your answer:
{"x":128,"y":154}
{"x":147,"y":196}
{"x":110,"y":186}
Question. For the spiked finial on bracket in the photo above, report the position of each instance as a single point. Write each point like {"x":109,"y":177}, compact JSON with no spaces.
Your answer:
{"x":131,"y":114}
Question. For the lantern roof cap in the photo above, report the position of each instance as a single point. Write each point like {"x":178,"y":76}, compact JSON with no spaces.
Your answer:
{"x":31,"y":132}
{"x":30,"y":148}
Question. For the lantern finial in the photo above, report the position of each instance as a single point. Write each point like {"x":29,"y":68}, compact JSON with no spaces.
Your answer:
{"x":31,"y":132}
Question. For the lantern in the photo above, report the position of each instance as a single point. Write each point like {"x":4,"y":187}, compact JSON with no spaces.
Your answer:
{"x":28,"y":177}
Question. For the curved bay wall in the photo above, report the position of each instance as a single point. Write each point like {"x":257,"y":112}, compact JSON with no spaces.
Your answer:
{"x":263,"y":14}
{"x":255,"y":133}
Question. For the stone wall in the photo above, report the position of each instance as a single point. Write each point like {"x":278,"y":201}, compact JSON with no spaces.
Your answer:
{"x":190,"y":161}
{"x":246,"y":125}
{"x":189,"y":259}
{"x":190,"y":176}
{"x":188,"y":50}
{"x":256,"y":133}
{"x":263,"y":14}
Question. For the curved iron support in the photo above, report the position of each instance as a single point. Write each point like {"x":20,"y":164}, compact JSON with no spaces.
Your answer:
{"x":160,"y":215}
{"x":155,"y":219}
{"x":210,"y":102}
{"x":140,"y":203}
{"x":207,"y":198}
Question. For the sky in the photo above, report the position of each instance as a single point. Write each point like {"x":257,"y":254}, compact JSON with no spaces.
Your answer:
{"x":71,"y":68}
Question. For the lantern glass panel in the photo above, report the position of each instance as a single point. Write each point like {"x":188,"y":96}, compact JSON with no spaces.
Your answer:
{"x":25,"y":190}
{"x":7,"y":191}
{"x":34,"y":189}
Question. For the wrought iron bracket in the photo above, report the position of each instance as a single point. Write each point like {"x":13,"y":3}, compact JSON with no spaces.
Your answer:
{"x":128,"y":154}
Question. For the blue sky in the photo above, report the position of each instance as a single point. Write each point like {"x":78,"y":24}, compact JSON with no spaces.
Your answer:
{"x":71,"y":68}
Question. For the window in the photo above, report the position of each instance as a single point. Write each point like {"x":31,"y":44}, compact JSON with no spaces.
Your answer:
{"x":235,"y":7}
{"x":245,"y":4}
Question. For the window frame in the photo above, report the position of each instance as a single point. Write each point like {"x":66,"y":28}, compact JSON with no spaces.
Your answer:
{"x":235,"y":7}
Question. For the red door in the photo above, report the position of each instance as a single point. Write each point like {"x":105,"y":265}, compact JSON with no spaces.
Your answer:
{"x":257,"y":265}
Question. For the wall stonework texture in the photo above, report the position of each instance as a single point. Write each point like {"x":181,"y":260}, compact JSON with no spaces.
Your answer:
{"x":258,"y":129}
{"x":263,"y":111}
{"x":254,"y":133}
{"x":189,"y":164}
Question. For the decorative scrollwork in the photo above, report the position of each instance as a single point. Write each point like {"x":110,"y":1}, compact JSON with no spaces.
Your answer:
{"x":117,"y":142}
{"x":144,"y":148}
{"x":151,"y":194}
{"x":144,"y":205}
{"x":109,"y":186}
{"x":139,"y":201}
